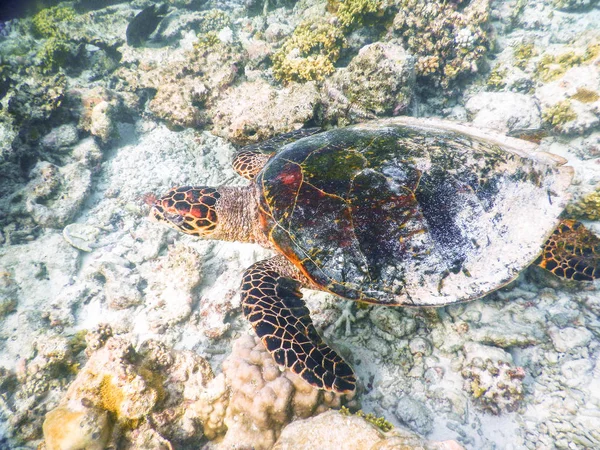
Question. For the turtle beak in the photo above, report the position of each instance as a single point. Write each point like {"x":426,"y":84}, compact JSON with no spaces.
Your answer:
{"x":156,"y":214}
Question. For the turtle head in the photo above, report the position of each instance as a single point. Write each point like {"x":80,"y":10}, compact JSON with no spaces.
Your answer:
{"x":191,"y":210}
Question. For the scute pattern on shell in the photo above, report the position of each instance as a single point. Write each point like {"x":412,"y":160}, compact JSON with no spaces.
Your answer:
{"x":410,"y":212}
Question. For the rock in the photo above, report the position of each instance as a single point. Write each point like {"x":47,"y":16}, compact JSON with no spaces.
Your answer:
{"x":121,"y":284}
{"x":8,"y":294}
{"x":569,"y":338}
{"x":573,"y":5}
{"x":55,"y":194}
{"x":505,"y":111}
{"x":414,"y":415}
{"x":392,"y":321}
{"x":255,"y":111}
{"x":571,"y":103}
{"x":87,"y":152}
{"x":177,"y":103}
{"x":496,"y":385}
{"x":61,"y":138}
{"x":332,"y":431}
{"x":7,"y":137}
{"x":171,"y":295}
{"x":100,"y":110}
{"x":74,"y":426}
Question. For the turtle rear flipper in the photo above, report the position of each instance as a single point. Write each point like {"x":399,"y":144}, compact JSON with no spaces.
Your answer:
{"x":273,"y":304}
{"x":252,"y":158}
{"x":572,"y":252}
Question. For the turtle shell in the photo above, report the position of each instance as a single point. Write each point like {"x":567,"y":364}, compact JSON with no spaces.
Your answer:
{"x":411,"y":211}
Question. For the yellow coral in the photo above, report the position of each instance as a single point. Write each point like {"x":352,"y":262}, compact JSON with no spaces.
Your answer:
{"x":353,"y":12}
{"x":111,"y":396}
{"x":586,"y":208}
{"x":379,"y":422}
{"x":523,"y":53}
{"x":496,"y":78}
{"x":558,"y":114}
{"x":45,"y":23}
{"x":550,"y":67}
{"x":309,"y":53}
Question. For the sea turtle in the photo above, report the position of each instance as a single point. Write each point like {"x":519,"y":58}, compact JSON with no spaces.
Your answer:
{"x":402,"y":212}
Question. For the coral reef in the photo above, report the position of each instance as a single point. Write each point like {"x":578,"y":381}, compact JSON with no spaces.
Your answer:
{"x":142,"y":394}
{"x":309,"y":53}
{"x":84,"y":145}
{"x":448,"y":42}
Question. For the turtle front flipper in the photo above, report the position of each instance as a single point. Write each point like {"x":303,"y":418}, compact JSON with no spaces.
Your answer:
{"x":272,"y":302}
{"x":572,"y":252}
{"x":252,"y":158}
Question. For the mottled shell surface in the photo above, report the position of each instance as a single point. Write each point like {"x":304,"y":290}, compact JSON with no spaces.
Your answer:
{"x":411,"y":211}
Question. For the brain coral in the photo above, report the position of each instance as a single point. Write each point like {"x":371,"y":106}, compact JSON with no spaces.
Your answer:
{"x":253,"y":399}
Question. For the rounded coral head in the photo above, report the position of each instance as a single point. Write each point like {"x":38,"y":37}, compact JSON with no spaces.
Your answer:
{"x":188,"y":209}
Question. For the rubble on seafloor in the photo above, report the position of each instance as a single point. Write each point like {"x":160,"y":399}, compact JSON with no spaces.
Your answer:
{"x":116,"y":331}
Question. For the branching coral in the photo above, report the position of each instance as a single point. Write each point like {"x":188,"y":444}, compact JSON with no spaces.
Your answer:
{"x":353,"y":12}
{"x":46,"y":22}
{"x":447,"y":42}
{"x":559,"y":114}
{"x":309,"y":54}
{"x":523,"y":53}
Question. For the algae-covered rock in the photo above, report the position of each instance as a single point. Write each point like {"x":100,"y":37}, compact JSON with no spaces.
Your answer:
{"x":377,"y":81}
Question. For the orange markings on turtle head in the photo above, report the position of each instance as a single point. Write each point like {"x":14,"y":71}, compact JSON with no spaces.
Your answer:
{"x":188,"y":209}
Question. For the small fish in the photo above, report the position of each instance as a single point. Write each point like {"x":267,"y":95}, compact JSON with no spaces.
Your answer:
{"x":142,"y":25}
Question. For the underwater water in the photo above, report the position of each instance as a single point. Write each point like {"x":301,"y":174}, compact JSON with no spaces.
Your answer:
{"x":119,"y":332}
